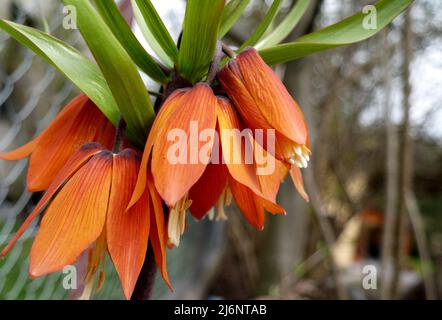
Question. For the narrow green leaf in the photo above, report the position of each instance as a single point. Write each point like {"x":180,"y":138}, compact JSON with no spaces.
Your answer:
{"x":81,"y":71}
{"x":157,"y":28}
{"x":286,"y":26}
{"x":150,"y":38}
{"x":119,"y":70}
{"x":231,"y":14}
{"x":116,"y":22}
{"x":201,"y":26}
{"x":263,"y":26}
{"x":347,"y":31}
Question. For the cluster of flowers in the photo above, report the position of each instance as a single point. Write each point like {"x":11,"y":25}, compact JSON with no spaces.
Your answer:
{"x":116,"y":201}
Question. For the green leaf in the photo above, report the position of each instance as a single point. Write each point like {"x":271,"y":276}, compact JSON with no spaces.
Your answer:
{"x":345,"y":32}
{"x":116,"y":22}
{"x":263,"y":26}
{"x":286,"y":26}
{"x":118,"y":69}
{"x":231,"y":14}
{"x":157,"y":28}
{"x":81,"y":71}
{"x":150,"y":38}
{"x":200,"y":36}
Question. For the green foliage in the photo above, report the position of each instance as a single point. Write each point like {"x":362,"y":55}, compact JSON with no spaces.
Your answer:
{"x":118,"y":69}
{"x":200,"y":35}
{"x":116,"y":22}
{"x":115,"y":84}
{"x":157,"y":33}
{"x":263,"y":26}
{"x":345,"y":32}
{"x":286,"y":26}
{"x":231,"y":14}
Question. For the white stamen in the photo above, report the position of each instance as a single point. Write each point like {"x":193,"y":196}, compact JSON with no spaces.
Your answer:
{"x":304,"y":162}
{"x":177,"y":222}
{"x":211,"y":214}
{"x":299,"y":163}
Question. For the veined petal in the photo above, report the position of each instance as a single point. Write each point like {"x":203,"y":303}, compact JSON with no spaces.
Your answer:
{"x":206,"y":192}
{"x":271,"y":97}
{"x":296,"y":175}
{"x":74,"y":219}
{"x":158,"y":234}
{"x":196,"y":113}
{"x":237,"y":147}
{"x":20,"y":153}
{"x":272,"y":172}
{"x":77,"y":126}
{"x":270,"y":206}
{"x":249,"y":205}
{"x":127,"y":231}
{"x":167,"y":110}
{"x":252,"y":205}
{"x":105,"y":134}
{"x":231,"y":81}
{"x":73,"y":165}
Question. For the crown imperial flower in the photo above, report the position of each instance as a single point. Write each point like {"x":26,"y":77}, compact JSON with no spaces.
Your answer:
{"x":263,"y":102}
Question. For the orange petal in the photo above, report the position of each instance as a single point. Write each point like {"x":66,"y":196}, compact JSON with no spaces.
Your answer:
{"x":74,"y":163}
{"x":237,"y":151}
{"x":127,"y":231}
{"x":271,"y":97}
{"x":270,"y":206}
{"x":76,"y":126}
{"x":206,"y":192}
{"x":296,"y":175}
{"x":106,"y":133}
{"x":20,"y":153}
{"x":74,"y":219}
{"x":169,"y":107}
{"x":231,"y":80}
{"x":158,"y":235}
{"x":272,"y":172}
{"x":249,"y":205}
{"x":196,"y":112}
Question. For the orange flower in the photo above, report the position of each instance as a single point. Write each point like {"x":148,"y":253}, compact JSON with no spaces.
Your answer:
{"x":253,"y":193}
{"x":174,"y":179}
{"x":183,"y":108}
{"x":86,"y":204}
{"x":263,"y":102}
{"x":79,"y":122}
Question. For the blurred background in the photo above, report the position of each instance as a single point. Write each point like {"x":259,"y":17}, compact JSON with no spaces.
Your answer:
{"x":373,"y":228}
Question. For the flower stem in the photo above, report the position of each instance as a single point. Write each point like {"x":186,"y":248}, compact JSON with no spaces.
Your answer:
{"x":119,"y":135}
{"x":228,"y":51}
{"x":215,"y":63}
{"x":144,"y":287}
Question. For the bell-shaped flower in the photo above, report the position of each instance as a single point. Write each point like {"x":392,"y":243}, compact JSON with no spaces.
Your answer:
{"x":264,"y":102}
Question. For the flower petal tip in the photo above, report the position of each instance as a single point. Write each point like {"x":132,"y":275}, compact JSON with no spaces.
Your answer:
{"x":35,"y":273}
